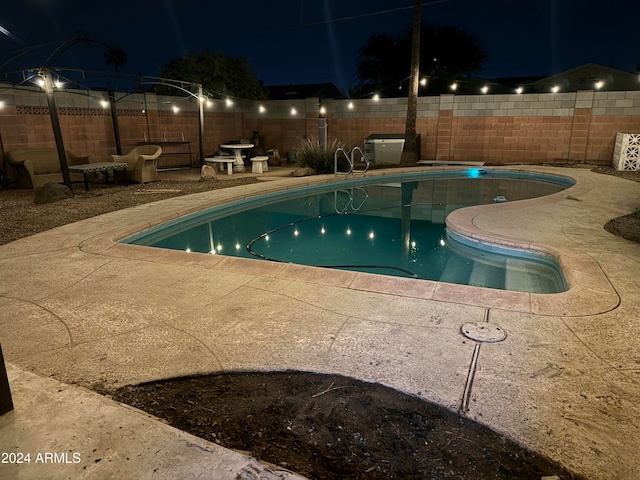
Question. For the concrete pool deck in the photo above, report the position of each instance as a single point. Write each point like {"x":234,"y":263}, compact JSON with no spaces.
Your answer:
{"x":91,"y":313}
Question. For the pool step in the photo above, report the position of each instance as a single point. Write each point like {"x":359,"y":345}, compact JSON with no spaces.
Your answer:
{"x":485,"y":275}
{"x":528,"y":278}
{"x":516,"y":277}
{"x":456,"y":270}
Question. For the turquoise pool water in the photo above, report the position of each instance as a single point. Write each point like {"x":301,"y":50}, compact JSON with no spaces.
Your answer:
{"x":391,"y":226}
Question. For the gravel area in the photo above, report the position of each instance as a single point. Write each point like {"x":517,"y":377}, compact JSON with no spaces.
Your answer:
{"x":20,"y":217}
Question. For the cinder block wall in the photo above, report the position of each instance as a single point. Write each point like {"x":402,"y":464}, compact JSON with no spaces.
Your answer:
{"x":529,"y":128}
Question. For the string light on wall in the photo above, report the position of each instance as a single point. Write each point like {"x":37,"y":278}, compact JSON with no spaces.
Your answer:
{"x":453,"y":86}
{"x":423,"y":81}
{"x":350,"y":106}
{"x":376,"y":97}
{"x":1,"y":103}
{"x":323,"y":111}
{"x":484,"y":89}
{"x":599,"y":84}
{"x":209,"y":103}
{"x":175,"y":109}
{"x":104,"y":103}
{"x":555,"y":89}
{"x":261,"y":109}
{"x":294,"y":111}
{"x":228,"y":102}
{"x":519,"y":90}
{"x":58,"y":84}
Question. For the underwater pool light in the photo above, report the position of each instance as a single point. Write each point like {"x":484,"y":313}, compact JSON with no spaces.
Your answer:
{"x":476,"y":172}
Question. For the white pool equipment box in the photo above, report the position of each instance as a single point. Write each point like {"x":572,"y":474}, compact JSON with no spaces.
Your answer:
{"x":384,"y":148}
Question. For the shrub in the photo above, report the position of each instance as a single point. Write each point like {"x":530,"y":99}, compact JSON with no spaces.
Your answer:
{"x":309,"y":153}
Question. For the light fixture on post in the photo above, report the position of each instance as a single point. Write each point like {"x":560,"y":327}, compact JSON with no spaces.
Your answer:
{"x":322,"y":126}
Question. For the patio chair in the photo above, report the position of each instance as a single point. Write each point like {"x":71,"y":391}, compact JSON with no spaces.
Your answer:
{"x":143,"y":163}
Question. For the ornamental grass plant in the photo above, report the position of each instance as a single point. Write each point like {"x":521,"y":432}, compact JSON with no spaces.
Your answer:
{"x":309,"y":153}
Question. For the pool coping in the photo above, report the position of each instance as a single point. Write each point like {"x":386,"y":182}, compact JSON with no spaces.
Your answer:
{"x":590,"y":291}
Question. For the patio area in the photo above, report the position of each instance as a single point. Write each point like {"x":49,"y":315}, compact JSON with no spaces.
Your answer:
{"x":80,"y":312}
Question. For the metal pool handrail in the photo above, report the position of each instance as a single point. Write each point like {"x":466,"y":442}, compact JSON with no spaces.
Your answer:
{"x":350,"y":158}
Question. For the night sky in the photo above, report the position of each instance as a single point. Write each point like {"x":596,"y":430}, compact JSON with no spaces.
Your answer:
{"x":291,"y":41}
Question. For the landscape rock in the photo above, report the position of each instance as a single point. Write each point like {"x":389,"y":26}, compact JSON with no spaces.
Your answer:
{"x":208,"y":173}
{"x":303,"y":172}
{"x":52,"y":192}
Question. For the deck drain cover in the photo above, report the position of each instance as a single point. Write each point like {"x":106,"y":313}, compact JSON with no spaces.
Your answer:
{"x":483,"y":332}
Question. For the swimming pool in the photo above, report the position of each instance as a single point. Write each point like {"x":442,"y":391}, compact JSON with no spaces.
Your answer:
{"x":391,"y":226}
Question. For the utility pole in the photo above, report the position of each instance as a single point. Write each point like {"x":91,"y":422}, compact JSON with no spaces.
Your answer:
{"x":410,"y":149}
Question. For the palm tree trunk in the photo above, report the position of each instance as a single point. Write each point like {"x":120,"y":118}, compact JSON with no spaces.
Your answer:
{"x":410,"y":149}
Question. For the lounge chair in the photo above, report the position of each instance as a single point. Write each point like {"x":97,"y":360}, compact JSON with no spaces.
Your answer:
{"x":143,"y":163}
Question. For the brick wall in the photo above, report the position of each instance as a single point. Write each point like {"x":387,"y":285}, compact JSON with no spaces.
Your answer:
{"x":530,"y":128}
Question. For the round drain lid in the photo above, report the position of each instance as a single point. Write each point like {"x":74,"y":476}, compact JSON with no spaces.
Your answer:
{"x":483,"y":332}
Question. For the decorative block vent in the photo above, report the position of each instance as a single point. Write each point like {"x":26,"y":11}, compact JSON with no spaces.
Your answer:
{"x":626,"y":153}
